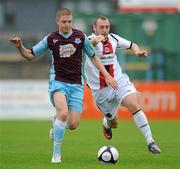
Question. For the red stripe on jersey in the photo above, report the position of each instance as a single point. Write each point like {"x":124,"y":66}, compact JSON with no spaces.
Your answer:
{"x":102,"y":81}
{"x":109,"y":69}
{"x":107,"y":47}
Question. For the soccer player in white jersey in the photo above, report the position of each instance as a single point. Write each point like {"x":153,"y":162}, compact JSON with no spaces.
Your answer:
{"x":107,"y":99}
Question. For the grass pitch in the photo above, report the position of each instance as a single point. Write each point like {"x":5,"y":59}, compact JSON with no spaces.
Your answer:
{"x":26,"y":145}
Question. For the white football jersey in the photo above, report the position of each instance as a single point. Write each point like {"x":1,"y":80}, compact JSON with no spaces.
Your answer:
{"x":106,"y":51}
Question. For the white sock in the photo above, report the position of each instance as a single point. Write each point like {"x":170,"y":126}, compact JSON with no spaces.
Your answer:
{"x":142,"y":123}
{"x":105,"y":123}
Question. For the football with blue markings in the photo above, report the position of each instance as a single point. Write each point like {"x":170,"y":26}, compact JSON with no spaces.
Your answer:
{"x":108,"y":154}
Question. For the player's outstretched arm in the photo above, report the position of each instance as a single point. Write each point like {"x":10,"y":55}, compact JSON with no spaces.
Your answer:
{"x":137,"y":51}
{"x":109,"y":80}
{"x":26,"y":53}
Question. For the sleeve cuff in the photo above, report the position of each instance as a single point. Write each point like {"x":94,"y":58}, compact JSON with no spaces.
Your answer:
{"x":32,"y":51}
{"x":93,"y":55}
{"x":130,"y":46}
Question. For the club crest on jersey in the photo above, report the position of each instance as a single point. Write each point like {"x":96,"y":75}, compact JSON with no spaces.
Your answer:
{"x":66,"y":50}
{"x":77,"y":40}
{"x":107,"y":50}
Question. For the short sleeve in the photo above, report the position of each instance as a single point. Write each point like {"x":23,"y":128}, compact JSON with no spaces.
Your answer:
{"x":121,"y":42}
{"x":40,"y":47}
{"x":88,"y":48}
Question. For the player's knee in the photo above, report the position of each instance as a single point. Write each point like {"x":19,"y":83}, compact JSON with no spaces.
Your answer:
{"x":73,"y":125}
{"x":132,"y":107}
{"x":62,"y":116}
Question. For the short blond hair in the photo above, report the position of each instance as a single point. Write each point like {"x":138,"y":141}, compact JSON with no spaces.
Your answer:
{"x":63,"y":11}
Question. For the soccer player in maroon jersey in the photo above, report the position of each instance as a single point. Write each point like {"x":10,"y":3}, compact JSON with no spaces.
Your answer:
{"x":66,"y":83}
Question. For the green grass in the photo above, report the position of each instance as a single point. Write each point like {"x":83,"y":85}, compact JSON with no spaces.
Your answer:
{"x":26,"y":145}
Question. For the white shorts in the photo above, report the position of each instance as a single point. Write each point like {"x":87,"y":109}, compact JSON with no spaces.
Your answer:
{"x":108,"y":99}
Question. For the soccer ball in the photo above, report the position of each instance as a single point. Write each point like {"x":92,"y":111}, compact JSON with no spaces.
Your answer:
{"x":108,"y":154}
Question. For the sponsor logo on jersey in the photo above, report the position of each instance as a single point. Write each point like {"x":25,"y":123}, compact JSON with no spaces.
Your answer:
{"x":66,"y":50}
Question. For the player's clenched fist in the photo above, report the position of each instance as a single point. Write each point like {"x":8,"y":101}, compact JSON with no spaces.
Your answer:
{"x":95,"y":40}
{"x":99,"y":38}
{"x":17,"y":42}
{"x":142,"y":53}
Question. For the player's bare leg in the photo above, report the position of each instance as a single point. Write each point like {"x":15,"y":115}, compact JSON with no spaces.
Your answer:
{"x":73,"y":119}
{"x":131,"y":102}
